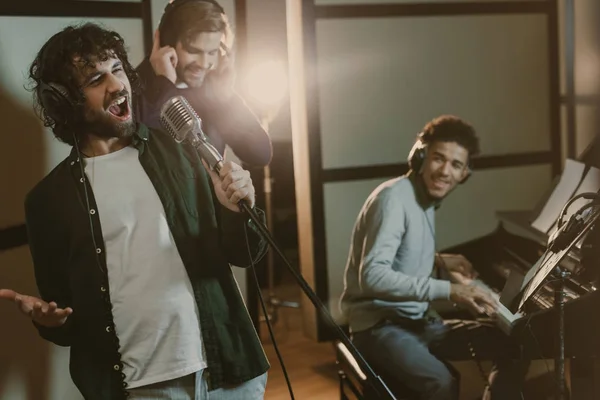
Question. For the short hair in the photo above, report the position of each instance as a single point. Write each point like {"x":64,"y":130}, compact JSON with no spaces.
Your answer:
{"x":188,"y":20}
{"x":54,"y":64}
{"x":449,"y":128}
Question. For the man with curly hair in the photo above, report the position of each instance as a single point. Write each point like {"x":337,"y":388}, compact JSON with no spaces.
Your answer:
{"x":131,"y":241}
{"x":192,"y":56}
{"x":388,"y":283}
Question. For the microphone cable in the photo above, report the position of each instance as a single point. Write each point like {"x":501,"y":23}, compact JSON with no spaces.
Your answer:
{"x":83,"y":178}
{"x":264,"y":310}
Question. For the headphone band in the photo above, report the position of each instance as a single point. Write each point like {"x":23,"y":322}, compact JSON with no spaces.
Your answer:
{"x":170,"y":9}
{"x":173,"y":4}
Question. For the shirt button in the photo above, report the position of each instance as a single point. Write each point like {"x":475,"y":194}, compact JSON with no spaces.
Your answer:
{"x":116,"y":367}
{"x":72,"y":162}
{"x":108,"y":329}
{"x":98,"y":250}
{"x":92,"y":211}
{"x":81,"y":180}
{"x":102,"y":289}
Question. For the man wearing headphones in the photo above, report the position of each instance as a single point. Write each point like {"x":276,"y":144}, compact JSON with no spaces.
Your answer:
{"x":191,"y":57}
{"x":132,"y":241}
{"x":388,"y":283}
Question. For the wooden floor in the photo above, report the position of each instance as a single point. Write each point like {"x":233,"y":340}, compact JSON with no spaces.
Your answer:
{"x":310,"y":365}
{"x":313,"y":374}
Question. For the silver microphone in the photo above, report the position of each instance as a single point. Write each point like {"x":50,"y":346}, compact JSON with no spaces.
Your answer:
{"x":179,"y":119}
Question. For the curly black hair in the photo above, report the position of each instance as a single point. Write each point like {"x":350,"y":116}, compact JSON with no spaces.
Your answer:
{"x":449,"y":128}
{"x":55,"y":64}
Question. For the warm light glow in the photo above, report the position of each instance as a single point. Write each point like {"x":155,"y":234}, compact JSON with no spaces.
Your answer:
{"x":266,"y":83}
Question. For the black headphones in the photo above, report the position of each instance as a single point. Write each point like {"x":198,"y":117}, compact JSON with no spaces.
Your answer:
{"x":57,"y":102}
{"x":418,"y":153}
{"x":169,"y":10}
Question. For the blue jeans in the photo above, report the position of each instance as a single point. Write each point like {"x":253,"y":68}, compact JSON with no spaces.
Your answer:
{"x":411,"y":357}
{"x":195,"y":387}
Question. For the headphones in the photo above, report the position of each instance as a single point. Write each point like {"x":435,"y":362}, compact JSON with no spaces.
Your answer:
{"x":57,"y":102}
{"x":418,"y":153}
{"x":169,"y":11}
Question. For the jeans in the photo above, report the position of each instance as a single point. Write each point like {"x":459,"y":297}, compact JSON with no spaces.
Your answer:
{"x":195,"y":387}
{"x":411,"y":357}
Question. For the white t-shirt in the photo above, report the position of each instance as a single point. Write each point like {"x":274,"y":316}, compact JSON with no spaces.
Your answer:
{"x":155,"y":314}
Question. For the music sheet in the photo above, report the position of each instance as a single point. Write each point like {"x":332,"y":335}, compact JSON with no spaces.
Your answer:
{"x":563,"y":191}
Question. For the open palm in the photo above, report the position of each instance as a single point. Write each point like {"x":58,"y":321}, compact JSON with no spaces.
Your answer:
{"x":45,"y":314}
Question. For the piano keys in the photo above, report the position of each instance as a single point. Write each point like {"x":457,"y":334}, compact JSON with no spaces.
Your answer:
{"x":515,"y":247}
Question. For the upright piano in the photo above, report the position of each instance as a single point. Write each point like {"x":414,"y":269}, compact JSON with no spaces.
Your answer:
{"x":511,"y":248}
{"x":516,"y":246}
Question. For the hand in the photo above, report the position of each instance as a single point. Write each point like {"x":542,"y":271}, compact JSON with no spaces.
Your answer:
{"x":48,"y":315}
{"x":457,"y":277}
{"x":475,"y":298}
{"x":219,"y":85}
{"x":457,"y":264}
{"x":163,"y":59}
{"x":232,"y":185}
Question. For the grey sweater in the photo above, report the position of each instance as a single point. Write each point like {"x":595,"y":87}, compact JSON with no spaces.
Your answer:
{"x":388,"y":273}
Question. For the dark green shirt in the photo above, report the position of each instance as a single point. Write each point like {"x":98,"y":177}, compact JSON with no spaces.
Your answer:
{"x":67,"y":247}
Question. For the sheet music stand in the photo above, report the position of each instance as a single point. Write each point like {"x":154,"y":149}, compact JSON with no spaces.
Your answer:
{"x":550,"y":265}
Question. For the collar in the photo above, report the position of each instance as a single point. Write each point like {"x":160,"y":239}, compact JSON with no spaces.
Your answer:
{"x":423,"y":198}
{"x":140,"y":139}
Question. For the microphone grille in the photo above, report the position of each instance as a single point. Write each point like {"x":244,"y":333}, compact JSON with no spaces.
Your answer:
{"x":178,"y":117}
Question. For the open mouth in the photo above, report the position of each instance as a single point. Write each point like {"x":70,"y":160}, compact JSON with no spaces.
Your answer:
{"x":119,"y":109}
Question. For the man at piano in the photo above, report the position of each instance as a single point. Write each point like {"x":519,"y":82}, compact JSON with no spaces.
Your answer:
{"x":388,"y":283}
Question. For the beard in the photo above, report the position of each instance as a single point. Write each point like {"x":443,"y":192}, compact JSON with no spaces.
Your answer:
{"x":185,"y":74}
{"x":103,"y":126}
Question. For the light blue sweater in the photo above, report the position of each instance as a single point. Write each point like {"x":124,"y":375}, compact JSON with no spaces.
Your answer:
{"x":391,"y":258}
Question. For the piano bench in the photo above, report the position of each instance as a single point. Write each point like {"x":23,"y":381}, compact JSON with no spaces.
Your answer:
{"x":353,"y":381}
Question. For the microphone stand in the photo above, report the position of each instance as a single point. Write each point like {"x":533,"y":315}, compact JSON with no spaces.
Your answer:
{"x":213,"y":158}
{"x":272,"y":300}
{"x":379,"y":387}
{"x":561,"y":275}
{"x":559,"y":304}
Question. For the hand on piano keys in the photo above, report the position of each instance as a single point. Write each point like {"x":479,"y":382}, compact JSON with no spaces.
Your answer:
{"x":457,"y":266}
{"x":502,"y":316}
{"x":477,"y":299}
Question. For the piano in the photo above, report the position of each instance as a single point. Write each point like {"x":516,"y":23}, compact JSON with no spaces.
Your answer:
{"x":516,"y":246}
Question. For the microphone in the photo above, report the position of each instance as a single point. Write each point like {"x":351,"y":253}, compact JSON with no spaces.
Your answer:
{"x":179,"y":119}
